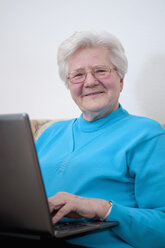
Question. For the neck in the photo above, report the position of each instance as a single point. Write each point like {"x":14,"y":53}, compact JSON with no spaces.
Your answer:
{"x":93,"y":116}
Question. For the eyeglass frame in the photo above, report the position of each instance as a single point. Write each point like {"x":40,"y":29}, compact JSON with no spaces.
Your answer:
{"x":92,"y":72}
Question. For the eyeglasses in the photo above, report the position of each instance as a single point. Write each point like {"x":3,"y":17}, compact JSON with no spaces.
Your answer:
{"x":99,"y":72}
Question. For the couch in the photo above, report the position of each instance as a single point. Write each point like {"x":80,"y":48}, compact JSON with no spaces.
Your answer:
{"x":38,"y":126}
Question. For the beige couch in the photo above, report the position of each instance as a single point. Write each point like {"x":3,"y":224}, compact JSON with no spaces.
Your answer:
{"x":38,"y":126}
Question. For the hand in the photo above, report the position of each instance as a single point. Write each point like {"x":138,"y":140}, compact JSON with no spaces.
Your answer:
{"x":68,"y":205}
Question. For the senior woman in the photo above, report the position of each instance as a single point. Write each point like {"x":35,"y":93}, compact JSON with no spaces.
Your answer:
{"x":106,"y":164}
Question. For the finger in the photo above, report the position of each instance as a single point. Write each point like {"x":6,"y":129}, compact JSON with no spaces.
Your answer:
{"x":62,"y":212}
{"x":50,"y":206}
{"x":54,"y":204}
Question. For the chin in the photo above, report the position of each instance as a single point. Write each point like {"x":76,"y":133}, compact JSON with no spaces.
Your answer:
{"x":96,"y":107}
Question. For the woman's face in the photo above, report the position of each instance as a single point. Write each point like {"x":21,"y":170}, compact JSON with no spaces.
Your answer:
{"x":96,"y":98}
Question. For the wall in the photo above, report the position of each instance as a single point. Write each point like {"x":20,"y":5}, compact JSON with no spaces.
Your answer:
{"x":31,"y":31}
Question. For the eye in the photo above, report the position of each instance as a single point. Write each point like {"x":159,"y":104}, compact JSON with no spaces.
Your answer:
{"x":78,"y":75}
{"x":100,"y":70}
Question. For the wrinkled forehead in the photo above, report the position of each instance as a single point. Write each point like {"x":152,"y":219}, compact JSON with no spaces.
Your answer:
{"x":86,"y":49}
{"x":89,"y":56}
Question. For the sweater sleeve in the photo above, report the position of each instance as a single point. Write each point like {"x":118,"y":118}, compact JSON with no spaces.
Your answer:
{"x":144,"y":225}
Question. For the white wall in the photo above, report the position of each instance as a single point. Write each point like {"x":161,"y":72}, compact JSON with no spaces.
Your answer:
{"x":31,"y":30}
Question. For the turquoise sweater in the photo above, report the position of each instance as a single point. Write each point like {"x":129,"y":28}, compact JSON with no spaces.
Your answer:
{"x":121,"y":158}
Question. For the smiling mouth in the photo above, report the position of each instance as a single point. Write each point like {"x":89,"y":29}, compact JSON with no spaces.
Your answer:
{"x":94,"y":93}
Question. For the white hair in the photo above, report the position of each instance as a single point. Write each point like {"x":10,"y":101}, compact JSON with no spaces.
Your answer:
{"x":88,"y":39}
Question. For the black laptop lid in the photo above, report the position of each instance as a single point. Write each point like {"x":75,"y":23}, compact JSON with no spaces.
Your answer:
{"x":23,"y":204}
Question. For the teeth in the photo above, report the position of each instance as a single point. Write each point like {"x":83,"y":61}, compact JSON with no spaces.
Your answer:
{"x":94,"y":93}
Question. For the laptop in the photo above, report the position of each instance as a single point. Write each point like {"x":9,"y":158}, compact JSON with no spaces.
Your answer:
{"x":23,"y":206}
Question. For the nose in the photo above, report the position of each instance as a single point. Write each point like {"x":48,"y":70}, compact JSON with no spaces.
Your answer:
{"x":90,"y":80}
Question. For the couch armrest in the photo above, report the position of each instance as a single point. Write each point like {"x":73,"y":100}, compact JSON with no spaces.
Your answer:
{"x":38,"y":126}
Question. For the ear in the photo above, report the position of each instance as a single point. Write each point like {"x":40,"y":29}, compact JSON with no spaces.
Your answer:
{"x":121,"y":84}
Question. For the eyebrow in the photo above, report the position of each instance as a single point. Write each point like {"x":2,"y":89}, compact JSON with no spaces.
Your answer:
{"x":79,"y":69}
{"x":82,"y":68}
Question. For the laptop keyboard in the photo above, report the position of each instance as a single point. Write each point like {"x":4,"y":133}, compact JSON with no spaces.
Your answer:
{"x":69,"y":225}
{"x":64,"y":229}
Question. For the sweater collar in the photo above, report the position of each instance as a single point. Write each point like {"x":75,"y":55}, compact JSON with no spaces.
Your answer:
{"x":87,"y":126}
